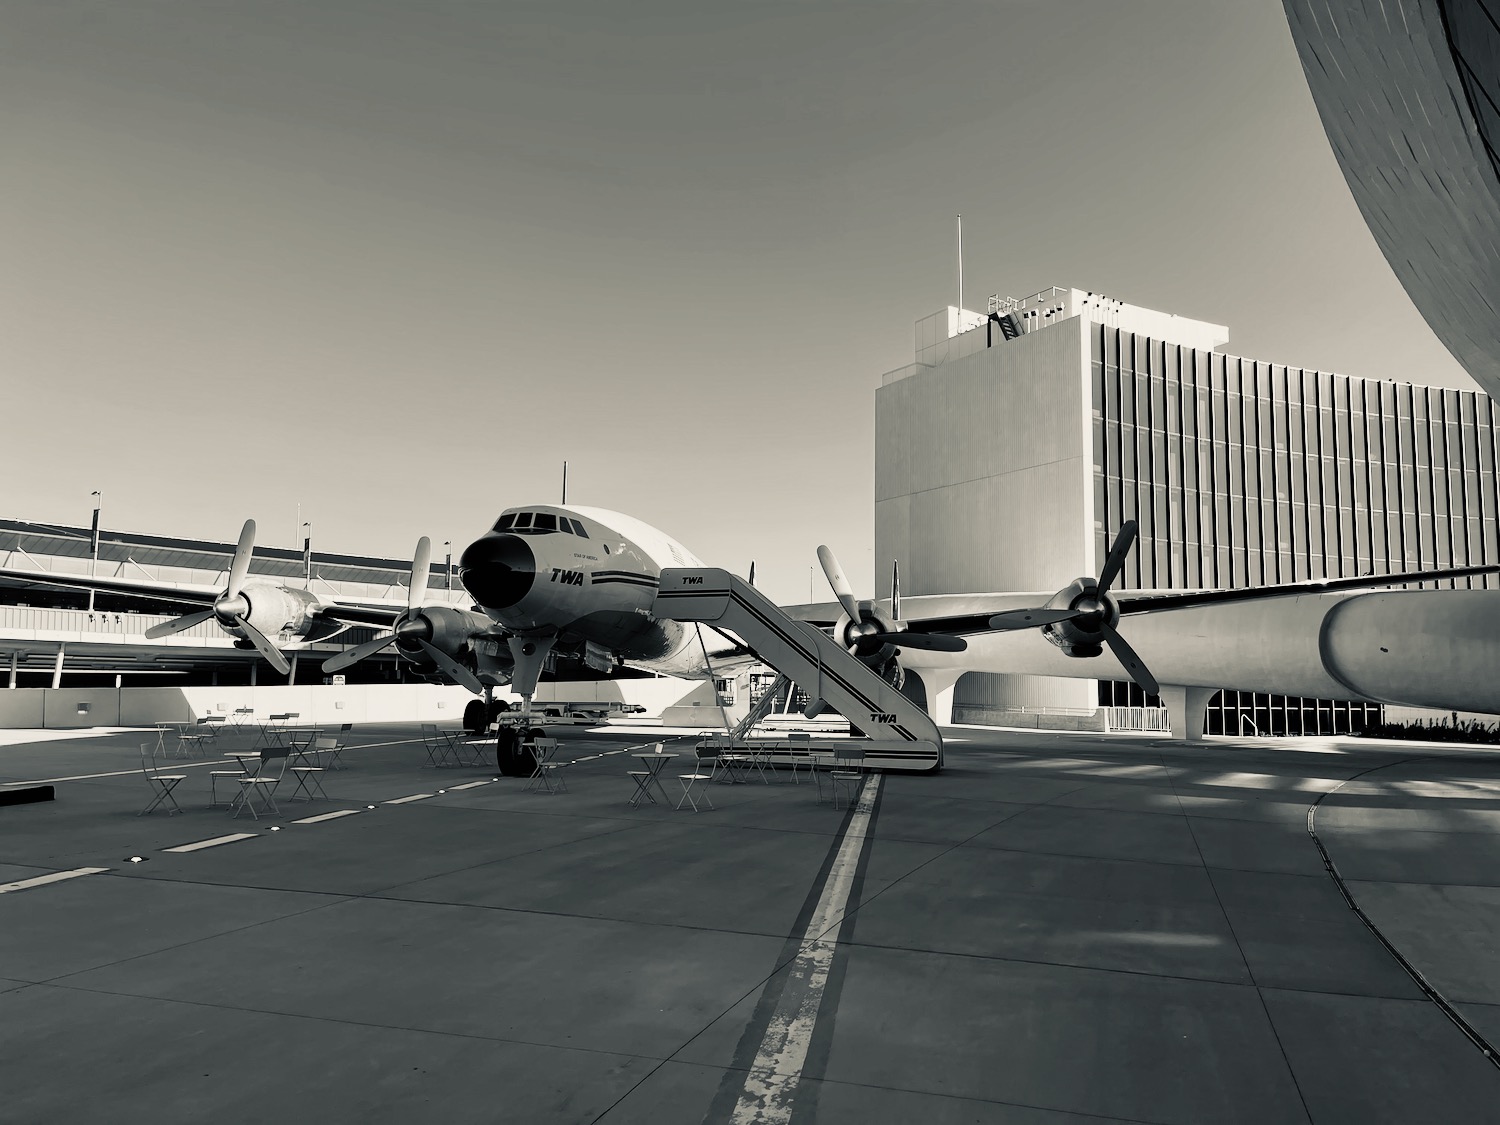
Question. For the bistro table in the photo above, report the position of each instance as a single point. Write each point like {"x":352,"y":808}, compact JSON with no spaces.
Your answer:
{"x":654,"y":761}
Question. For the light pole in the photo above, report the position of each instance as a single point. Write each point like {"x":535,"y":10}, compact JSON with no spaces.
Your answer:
{"x":94,"y":544}
{"x":448,"y":566}
{"x":307,"y":552}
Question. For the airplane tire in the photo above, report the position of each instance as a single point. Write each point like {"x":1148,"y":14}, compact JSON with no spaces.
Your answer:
{"x":498,"y":707}
{"x":476,"y":717}
{"x":508,"y":753}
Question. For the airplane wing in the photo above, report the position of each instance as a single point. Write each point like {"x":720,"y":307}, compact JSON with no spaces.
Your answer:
{"x":188,"y":594}
{"x":183,"y":594}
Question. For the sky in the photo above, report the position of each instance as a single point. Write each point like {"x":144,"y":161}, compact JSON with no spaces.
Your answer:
{"x":384,"y":266}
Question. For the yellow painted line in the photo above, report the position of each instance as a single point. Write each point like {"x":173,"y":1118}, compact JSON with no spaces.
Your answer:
{"x":328,"y":816}
{"x":215,"y":842}
{"x":43,"y":880}
{"x":413,"y":797}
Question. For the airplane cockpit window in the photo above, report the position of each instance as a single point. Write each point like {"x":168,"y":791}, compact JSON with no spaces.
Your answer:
{"x":544,"y":521}
{"x":578,"y":528}
{"x":523,"y":520}
{"x":506,"y":521}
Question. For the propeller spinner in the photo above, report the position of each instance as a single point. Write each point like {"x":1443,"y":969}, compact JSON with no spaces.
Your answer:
{"x":1091,"y":614}
{"x":232,"y":607}
{"x":866,"y":632}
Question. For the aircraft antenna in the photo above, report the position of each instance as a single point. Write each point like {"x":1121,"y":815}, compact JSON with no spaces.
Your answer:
{"x":565,"y":482}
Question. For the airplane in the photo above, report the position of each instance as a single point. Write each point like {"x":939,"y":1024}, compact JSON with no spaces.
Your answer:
{"x":552,"y":579}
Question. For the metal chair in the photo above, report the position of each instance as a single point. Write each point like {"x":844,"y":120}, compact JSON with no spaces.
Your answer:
{"x":263,"y":781}
{"x":847,"y":775}
{"x":327,"y":750}
{"x":437,"y":744}
{"x":690,"y":781}
{"x":308,"y":780}
{"x":546,"y":778}
{"x":161,"y":784}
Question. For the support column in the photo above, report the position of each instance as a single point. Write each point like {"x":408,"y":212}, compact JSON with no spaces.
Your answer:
{"x":291,"y":674}
{"x":254,"y":665}
{"x":15,"y":664}
{"x":1187,"y":707}
{"x":938,"y":684}
{"x":57,"y":668}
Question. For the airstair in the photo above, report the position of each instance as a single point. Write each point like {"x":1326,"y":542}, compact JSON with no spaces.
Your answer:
{"x":905,"y":738}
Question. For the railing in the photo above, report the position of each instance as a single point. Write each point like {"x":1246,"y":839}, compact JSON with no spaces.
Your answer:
{"x":39,"y":619}
{"x":1152,"y":719}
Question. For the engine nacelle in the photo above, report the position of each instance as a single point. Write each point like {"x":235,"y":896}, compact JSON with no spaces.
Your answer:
{"x":1082,"y":636}
{"x":282,"y":613}
{"x":856,"y":637}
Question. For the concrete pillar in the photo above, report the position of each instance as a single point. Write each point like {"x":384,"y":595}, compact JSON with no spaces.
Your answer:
{"x":291,"y":674}
{"x":57,"y":668}
{"x":938,"y":684}
{"x":15,"y":664}
{"x":253,"y":666}
{"x":1187,"y":707}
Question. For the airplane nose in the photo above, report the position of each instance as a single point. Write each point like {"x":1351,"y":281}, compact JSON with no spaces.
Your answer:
{"x":498,"y":570}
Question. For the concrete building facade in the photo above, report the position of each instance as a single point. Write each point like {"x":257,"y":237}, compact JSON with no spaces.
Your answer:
{"x":1009,"y":455}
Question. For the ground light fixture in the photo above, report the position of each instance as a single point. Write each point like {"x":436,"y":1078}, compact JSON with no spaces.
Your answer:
{"x":136,"y":859}
{"x":273,"y":828}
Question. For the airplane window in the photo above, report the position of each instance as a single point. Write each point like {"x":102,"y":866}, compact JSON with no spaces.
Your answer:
{"x":523,"y":520}
{"x":606,"y":548}
{"x":545,"y":521}
{"x":578,"y":529}
{"x":506,"y":521}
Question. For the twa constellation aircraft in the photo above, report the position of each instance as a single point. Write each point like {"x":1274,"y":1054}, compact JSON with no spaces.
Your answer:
{"x":583,"y":581}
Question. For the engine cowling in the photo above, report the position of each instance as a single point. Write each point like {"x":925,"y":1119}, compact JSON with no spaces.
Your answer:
{"x":445,"y":628}
{"x":280,"y":612}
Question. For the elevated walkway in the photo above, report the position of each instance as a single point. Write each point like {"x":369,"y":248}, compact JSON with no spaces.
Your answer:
{"x":907,"y":738}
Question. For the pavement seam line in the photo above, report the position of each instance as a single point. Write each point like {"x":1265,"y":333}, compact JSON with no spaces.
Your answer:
{"x":1238,"y":945}
{"x":1428,"y":990}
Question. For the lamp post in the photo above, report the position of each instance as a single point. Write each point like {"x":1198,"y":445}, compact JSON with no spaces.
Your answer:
{"x":307,"y":552}
{"x":94,"y":543}
{"x":448,"y":566}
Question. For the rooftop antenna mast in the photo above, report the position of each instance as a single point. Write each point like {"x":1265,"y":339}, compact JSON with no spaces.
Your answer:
{"x":960,"y":263}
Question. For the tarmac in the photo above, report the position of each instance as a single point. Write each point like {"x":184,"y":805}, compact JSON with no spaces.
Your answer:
{"x":1058,"y":928}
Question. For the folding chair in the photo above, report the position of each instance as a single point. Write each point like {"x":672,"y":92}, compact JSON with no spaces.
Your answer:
{"x":308,"y":779}
{"x":847,"y":775}
{"x":209,"y":727}
{"x":711,"y":754}
{"x":545,"y":778}
{"x":642,"y":779}
{"x":326,"y":751}
{"x":438,"y":747}
{"x":213,"y":784}
{"x":161,"y":784}
{"x":263,"y":781}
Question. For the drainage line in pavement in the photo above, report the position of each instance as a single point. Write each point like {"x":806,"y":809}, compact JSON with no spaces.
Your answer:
{"x":1412,"y":971}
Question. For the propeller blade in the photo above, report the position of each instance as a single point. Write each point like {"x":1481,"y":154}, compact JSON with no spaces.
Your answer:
{"x":1029,"y":618}
{"x":1129,"y":660}
{"x":841,"y":590}
{"x":452,"y":667}
{"x":261,"y":642}
{"x":240,"y":567}
{"x":354,"y":655}
{"x":895,"y":590}
{"x":178,"y":624}
{"x":421,"y":563}
{"x":1116,"y":560}
{"x":932,"y":642}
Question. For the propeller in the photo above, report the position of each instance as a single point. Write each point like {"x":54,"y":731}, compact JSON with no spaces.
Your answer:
{"x":411,"y":630}
{"x":231,"y":608}
{"x":865,"y":634}
{"x":1092,"y":612}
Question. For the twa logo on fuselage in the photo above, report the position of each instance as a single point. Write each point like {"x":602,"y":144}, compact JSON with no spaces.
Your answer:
{"x":567,"y":577}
